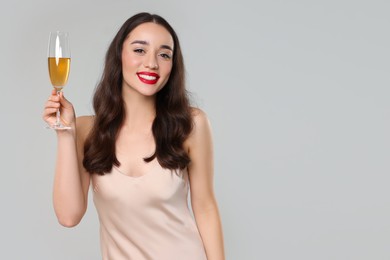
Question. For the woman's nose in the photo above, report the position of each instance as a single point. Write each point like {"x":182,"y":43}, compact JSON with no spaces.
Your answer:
{"x":151,"y":62}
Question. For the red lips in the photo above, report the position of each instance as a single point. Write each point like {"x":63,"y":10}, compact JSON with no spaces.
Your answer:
{"x":148,"y":77}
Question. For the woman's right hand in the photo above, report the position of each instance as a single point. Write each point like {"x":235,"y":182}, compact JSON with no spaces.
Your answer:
{"x":56,"y":102}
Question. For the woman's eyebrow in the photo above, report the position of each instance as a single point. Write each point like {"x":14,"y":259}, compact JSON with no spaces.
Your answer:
{"x":147,"y":43}
{"x":166,"y":47}
{"x":140,"y":42}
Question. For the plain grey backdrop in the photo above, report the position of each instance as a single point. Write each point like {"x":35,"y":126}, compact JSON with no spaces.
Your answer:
{"x":297,"y":93}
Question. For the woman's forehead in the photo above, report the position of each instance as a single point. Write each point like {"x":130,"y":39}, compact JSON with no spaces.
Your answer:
{"x":151,"y":34}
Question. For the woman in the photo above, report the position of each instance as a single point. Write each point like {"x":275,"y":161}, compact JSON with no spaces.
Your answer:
{"x":141,"y":152}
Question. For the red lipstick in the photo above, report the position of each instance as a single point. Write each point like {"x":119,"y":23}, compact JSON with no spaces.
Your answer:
{"x":148,"y":77}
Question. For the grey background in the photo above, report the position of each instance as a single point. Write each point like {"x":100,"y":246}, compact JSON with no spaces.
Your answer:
{"x":298,"y":96}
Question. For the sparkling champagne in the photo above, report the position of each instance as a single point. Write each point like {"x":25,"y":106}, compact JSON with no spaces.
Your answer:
{"x":59,"y":71}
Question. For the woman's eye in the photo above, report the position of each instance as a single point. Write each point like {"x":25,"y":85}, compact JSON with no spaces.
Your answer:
{"x":139,"y":51}
{"x":165,"y":56}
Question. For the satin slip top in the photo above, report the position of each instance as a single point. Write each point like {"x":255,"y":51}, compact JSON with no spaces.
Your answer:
{"x":146,"y":217}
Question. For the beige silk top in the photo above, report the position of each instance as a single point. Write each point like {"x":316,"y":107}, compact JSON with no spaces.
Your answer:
{"x":146,"y":217}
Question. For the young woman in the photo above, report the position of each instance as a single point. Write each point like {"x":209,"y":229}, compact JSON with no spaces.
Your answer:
{"x":142,"y":151}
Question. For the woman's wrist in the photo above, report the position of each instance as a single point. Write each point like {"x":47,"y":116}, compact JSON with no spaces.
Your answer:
{"x":67,"y":132}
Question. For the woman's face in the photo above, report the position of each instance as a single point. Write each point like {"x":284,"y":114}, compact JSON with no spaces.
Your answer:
{"x":147,"y":58}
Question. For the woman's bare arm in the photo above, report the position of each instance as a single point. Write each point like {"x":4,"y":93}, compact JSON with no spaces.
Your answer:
{"x":203,"y":201}
{"x":71,"y":181}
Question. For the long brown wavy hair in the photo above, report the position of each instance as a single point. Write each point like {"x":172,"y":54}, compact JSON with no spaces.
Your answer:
{"x":172,"y":124}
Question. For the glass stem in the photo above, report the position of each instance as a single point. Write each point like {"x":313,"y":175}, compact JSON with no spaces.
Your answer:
{"x":58,"y":114}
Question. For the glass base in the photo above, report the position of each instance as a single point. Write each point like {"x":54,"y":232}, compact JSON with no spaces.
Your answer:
{"x":58,"y":127}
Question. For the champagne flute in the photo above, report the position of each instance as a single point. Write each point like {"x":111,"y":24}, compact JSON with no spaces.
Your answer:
{"x":59,"y":66}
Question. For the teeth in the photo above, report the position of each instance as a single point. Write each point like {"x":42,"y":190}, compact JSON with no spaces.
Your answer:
{"x":147,"y":77}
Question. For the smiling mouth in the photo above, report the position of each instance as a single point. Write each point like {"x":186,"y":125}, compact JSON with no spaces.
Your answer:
{"x":148,"y":77}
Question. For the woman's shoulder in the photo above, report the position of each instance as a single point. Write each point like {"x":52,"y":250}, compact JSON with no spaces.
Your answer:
{"x":84,"y":125}
{"x":201,"y":127}
{"x":197,"y":113}
{"x":199,"y":118}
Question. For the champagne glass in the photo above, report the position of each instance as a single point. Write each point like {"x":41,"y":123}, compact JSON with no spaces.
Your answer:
{"x":59,"y":66}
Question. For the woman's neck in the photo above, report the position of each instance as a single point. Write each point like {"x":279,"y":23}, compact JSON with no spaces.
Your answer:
{"x":140,"y":111}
